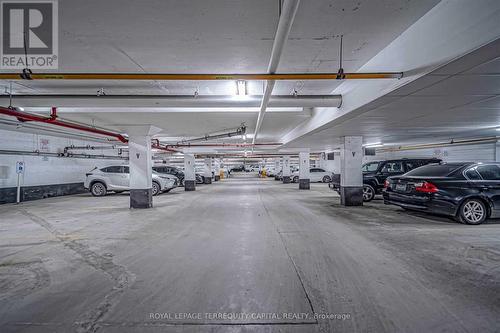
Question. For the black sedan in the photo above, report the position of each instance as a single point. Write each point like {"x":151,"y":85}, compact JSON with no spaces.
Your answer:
{"x":467,"y":191}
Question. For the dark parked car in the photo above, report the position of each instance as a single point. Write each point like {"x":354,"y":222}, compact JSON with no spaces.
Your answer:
{"x":171,"y":171}
{"x":469,"y":192}
{"x":239,"y":168}
{"x":199,"y":178}
{"x":375,"y":174}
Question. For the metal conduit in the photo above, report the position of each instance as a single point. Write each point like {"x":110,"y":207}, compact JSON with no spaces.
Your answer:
{"x":39,"y":153}
{"x":202,"y":77}
{"x":52,"y":120}
{"x":173,"y":100}
{"x":492,"y":139}
{"x":284,"y":26}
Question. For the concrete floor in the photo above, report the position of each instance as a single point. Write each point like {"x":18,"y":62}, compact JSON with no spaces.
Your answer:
{"x":243,"y":245}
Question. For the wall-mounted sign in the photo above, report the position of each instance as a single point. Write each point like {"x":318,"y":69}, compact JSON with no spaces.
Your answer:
{"x":19,"y":167}
{"x":44,"y":144}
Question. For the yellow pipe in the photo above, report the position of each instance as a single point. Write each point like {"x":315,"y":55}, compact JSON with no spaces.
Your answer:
{"x":199,"y":77}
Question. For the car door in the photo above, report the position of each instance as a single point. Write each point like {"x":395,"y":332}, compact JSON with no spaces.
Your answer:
{"x":490,"y":183}
{"x":389,"y":168}
{"x":126,"y":177}
{"x":315,"y":175}
{"x":321,"y":174}
{"x":114,"y":176}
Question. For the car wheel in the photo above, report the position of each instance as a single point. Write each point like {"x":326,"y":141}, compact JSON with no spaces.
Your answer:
{"x":98,"y":189}
{"x":295,"y":179}
{"x":156,"y":188}
{"x":473,"y":211}
{"x":368,"y":193}
{"x":327,"y":179}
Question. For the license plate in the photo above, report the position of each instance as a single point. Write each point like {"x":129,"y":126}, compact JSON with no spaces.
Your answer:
{"x":400,"y":187}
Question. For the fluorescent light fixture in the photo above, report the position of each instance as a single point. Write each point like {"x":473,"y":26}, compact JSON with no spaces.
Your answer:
{"x":241,"y":88}
{"x":498,"y":128}
{"x":373,"y":145}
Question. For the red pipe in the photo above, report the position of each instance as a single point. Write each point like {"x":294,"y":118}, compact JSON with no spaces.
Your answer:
{"x":225,"y":145}
{"x":23,"y":116}
{"x":166,"y":148}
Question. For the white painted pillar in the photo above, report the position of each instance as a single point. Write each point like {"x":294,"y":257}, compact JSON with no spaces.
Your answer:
{"x":140,"y":164}
{"x":286,"y":169}
{"x":276,"y":168}
{"x":216,"y":169}
{"x":189,"y":173}
{"x":351,"y":177}
{"x":497,"y":151}
{"x":304,"y":174}
{"x":207,"y":172}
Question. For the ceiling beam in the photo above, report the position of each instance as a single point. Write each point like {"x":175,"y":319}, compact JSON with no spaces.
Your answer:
{"x":176,"y":101}
{"x":284,"y":26}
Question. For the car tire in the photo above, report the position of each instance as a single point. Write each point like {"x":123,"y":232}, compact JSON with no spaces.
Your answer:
{"x":326,"y":179}
{"x":472,"y":211}
{"x":98,"y":189}
{"x":156,"y":188}
{"x":368,"y":193}
{"x":296,"y":179}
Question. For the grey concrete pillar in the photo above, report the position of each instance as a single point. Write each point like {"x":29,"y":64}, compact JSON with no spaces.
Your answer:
{"x":207,"y":171}
{"x":351,"y":177}
{"x":304,"y":174}
{"x":286,"y":170}
{"x":189,"y":173}
{"x":497,"y":151}
{"x":276,"y":168}
{"x":216,"y":169}
{"x":141,"y":164}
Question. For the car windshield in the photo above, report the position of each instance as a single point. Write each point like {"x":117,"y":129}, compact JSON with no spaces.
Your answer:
{"x":434,"y":170}
{"x":370,"y":167}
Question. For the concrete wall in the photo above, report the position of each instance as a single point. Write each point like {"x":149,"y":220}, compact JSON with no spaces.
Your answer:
{"x":43,"y":172}
{"x":479,"y":152}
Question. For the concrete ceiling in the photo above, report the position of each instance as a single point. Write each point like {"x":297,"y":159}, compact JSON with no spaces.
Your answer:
{"x":218,"y":36}
{"x":459,"y":100}
{"x":236,"y":36}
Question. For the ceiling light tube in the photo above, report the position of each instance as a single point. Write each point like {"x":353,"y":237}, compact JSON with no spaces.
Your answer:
{"x":373,"y":145}
{"x":241,"y":87}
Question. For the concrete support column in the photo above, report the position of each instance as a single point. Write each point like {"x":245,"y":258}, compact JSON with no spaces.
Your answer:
{"x":351,"y":177}
{"x":286,"y":170}
{"x":276,"y":168}
{"x":304,"y":174}
{"x":497,"y":151}
{"x":216,"y":169}
{"x":189,"y":173}
{"x":207,"y":172}
{"x":140,"y":163}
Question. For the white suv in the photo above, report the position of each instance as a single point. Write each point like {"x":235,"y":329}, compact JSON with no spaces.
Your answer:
{"x":117,"y":178}
{"x":315,"y":175}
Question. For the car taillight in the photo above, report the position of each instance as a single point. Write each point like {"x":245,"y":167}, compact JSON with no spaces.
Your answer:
{"x":387,"y":184}
{"x":426,"y":187}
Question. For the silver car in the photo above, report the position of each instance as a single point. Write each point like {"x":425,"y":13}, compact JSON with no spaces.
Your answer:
{"x":117,"y":178}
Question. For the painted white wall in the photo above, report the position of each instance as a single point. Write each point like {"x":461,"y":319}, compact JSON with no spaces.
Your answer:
{"x":481,"y":153}
{"x":330,"y":165}
{"x":40,"y":170}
